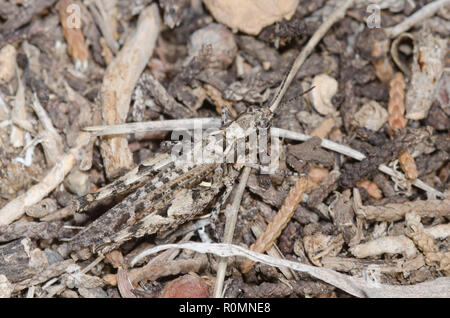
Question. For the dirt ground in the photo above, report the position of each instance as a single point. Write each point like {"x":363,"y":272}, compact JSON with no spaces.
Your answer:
{"x":360,"y":195}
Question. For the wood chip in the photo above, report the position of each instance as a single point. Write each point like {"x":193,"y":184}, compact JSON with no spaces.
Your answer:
{"x":371,"y":188}
{"x":7,"y":63}
{"x":120,"y":79}
{"x":389,"y":244}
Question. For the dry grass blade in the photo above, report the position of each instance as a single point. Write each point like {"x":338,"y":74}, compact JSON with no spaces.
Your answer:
{"x":354,"y":286}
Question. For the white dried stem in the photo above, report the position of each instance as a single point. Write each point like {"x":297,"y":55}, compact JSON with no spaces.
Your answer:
{"x":354,"y":286}
{"x":427,"y":11}
{"x":118,"y":84}
{"x":50,"y":139}
{"x":161,"y":125}
{"x":16,"y":208}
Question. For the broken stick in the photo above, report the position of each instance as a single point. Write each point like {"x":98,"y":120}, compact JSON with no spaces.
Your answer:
{"x":119,"y":82}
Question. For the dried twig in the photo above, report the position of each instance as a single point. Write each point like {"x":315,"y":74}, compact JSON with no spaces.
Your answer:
{"x":163,"y":125}
{"x":18,"y":114}
{"x":105,"y":27}
{"x":427,"y":68}
{"x":16,"y":208}
{"x":396,"y":211}
{"x":279,"y":222}
{"x":229,"y":229}
{"x":51,"y":141}
{"x":118,"y":84}
{"x":426,"y":12}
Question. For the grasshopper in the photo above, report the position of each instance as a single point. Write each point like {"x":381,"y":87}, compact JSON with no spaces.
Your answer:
{"x":159,"y":195}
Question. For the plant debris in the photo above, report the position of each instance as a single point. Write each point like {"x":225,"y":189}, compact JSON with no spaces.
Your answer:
{"x":97,"y":96}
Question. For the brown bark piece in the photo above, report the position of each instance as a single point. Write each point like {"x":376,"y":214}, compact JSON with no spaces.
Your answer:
{"x":18,"y":261}
{"x":118,"y":84}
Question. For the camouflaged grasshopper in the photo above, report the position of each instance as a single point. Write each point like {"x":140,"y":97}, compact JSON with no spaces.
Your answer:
{"x":159,"y":195}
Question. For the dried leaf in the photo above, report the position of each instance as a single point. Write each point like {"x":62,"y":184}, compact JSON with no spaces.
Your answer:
{"x":250,"y":16}
{"x":371,"y":116}
{"x":324,"y":89}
